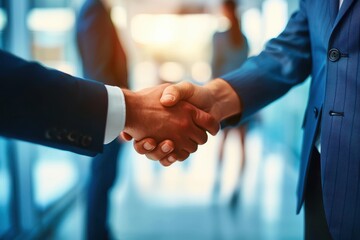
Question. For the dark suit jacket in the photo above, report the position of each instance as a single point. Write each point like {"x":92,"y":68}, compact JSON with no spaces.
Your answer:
{"x":51,"y":108}
{"x":101,"y":52}
{"x":324,"y":43}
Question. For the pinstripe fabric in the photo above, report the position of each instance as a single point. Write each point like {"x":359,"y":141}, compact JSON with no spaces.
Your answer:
{"x":341,"y":141}
{"x":287,"y":60}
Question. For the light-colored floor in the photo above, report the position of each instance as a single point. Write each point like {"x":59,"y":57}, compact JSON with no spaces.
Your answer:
{"x":180,"y":202}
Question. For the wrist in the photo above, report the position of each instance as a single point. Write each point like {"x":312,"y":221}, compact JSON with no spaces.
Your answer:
{"x":226,"y":101}
{"x":131,"y":102}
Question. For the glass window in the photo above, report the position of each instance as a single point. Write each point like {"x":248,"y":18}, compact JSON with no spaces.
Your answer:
{"x":52,"y":41}
{"x":50,"y":3}
{"x":3,"y":22}
{"x":5,"y":189}
{"x":55,"y":173}
{"x":5,"y":183}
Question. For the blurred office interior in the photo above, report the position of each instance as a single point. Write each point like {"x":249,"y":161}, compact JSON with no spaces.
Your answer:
{"x":42,"y":189}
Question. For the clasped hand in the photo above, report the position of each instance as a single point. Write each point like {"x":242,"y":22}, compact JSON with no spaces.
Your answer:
{"x":168,"y":122}
{"x":179,"y":124}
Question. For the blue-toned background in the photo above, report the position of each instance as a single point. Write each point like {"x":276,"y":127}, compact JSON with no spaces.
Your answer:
{"x":42,"y":190}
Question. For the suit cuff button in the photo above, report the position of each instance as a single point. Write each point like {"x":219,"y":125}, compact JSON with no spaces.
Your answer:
{"x":73,"y":137}
{"x":86,"y":141}
{"x":61,"y":134}
{"x":50,"y":134}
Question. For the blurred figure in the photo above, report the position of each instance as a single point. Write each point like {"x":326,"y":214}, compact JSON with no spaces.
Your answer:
{"x":104,"y":59}
{"x":230,"y":50}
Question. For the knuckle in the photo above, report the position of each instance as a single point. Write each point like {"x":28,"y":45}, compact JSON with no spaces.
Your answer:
{"x":194,"y":148}
{"x":185,"y":124}
{"x":204,"y":139}
{"x":151,"y":156}
{"x":187,"y":85}
{"x":186,"y":107}
{"x":184,"y":156}
{"x":208,"y":119}
{"x":139,"y":149}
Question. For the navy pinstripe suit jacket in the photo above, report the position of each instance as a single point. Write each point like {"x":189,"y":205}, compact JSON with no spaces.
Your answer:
{"x":323,"y":42}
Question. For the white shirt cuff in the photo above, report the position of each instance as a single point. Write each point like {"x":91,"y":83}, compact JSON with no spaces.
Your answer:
{"x":116,"y":114}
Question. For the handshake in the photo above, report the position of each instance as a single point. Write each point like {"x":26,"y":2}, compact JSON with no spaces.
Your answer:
{"x":168,"y":122}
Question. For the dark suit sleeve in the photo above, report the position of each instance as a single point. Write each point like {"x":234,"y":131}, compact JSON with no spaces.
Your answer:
{"x":285,"y":62}
{"x":51,"y":108}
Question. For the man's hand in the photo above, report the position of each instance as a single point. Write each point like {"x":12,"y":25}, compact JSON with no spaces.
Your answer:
{"x":201,"y":97}
{"x":217,"y":98}
{"x":183,"y":124}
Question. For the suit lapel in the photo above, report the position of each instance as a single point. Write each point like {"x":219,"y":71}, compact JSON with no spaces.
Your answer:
{"x":334,"y":8}
{"x":344,"y":8}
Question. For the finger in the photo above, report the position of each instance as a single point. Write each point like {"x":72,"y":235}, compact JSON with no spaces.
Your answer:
{"x":161,"y":151}
{"x":145,"y":145}
{"x":165,"y":162}
{"x":178,"y":156}
{"x":126,"y":136}
{"x":198,"y":136}
{"x":172,"y":157}
{"x":182,"y":157}
{"x":174,"y":93}
{"x":190,"y":146}
{"x":206,"y":121}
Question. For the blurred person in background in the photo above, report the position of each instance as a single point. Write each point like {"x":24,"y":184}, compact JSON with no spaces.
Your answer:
{"x":230,"y":50}
{"x":103,"y":59}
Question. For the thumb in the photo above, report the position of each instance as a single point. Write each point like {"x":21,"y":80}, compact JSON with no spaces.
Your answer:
{"x":175,"y":93}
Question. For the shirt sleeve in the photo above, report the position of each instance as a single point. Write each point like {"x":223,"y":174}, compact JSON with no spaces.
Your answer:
{"x":116,"y":114}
